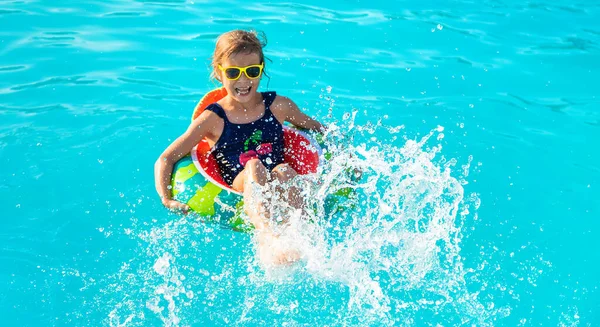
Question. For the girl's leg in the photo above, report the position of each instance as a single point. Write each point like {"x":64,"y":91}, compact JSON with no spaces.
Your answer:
{"x":291,"y":194}
{"x":270,"y":250}
{"x":255,"y":173}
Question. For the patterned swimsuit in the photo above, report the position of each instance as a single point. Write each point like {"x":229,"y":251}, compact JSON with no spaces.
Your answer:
{"x":261,"y":139}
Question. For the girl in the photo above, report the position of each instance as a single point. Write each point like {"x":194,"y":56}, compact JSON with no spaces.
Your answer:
{"x":245,"y":132}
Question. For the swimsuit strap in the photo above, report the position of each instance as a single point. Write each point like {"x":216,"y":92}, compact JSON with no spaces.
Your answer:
{"x":268,"y":98}
{"x":217,"y":109}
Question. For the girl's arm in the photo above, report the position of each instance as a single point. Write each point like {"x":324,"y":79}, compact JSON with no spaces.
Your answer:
{"x":293,"y":114}
{"x":178,"y":149}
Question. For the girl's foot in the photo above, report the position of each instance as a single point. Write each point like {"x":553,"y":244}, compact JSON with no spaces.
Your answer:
{"x":272,"y":251}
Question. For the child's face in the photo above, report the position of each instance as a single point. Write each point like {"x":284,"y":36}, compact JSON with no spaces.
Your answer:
{"x":243,"y":89}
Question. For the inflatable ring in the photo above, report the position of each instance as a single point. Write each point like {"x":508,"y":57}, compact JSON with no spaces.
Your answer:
{"x":197,"y":182}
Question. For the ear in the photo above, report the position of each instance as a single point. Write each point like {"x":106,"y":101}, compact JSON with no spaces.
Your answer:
{"x":217,"y":75}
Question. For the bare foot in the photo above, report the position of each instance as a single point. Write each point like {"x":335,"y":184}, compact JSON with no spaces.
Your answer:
{"x":272,"y":251}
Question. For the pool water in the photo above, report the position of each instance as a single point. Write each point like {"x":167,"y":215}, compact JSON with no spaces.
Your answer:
{"x":474,"y":125}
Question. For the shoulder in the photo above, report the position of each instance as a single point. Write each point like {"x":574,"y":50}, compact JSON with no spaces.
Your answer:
{"x":282,"y":107}
{"x":216,"y":108}
{"x":207,"y":120}
{"x":210,"y":113}
{"x":283,"y":103}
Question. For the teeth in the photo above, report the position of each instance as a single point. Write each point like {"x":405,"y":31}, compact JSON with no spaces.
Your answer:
{"x":243,"y":90}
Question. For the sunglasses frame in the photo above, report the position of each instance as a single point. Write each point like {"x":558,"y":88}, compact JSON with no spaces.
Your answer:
{"x":243,"y":70}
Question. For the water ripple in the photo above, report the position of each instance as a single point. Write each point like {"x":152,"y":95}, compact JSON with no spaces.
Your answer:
{"x":450,"y":23}
{"x":149,"y":82}
{"x":11,"y":11}
{"x":575,"y":108}
{"x":180,"y":97}
{"x":505,"y":102}
{"x":512,"y":137}
{"x":6,"y":69}
{"x":458,"y":59}
{"x":31,"y":110}
{"x":163,"y":3}
{"x":126,"y":14}
{"x":322,"y":14}
{"x":78,"y":109}
{"x":205,"y":36}
{"x":70,"y":80}
{"x":232,"y":21}
{"x":265,"y":21}
{"x":558,"y":45}
{"x":146,"y":68}
{"x":594,"y":32}
{"x":82,"y":40}
{"x":548,"y":7}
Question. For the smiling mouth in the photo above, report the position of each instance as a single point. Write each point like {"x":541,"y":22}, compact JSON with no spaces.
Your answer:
{"x":243,"y":90}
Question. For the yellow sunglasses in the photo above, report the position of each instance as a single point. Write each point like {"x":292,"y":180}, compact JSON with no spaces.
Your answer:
{"x":233,"y":72}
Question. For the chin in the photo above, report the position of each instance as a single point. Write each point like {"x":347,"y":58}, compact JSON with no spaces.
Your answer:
{"x":243,"y":97}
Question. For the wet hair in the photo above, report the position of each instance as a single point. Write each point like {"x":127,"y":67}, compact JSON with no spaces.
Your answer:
{"x":235,"y":42}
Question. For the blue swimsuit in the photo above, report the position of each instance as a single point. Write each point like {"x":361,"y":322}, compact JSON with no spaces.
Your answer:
{"x":261,"y":139}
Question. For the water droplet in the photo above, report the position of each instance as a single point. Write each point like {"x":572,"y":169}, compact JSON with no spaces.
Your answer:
{"x":471,"y":105}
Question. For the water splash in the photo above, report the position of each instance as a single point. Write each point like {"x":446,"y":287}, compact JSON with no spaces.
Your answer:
{"x":389,"y":254}
{"x":397,"y":246}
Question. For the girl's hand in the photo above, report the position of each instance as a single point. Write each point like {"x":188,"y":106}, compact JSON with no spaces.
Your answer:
{"x":176,"y":206}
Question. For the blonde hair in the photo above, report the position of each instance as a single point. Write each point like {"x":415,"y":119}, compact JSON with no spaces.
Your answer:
{"x":234,"y":42}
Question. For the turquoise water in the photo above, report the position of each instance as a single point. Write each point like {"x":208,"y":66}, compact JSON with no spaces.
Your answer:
{"x":474,"y":123}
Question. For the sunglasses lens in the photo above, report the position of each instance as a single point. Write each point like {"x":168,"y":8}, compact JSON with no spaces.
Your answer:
{"x":232,"y":73}
{"x":253,"y":72}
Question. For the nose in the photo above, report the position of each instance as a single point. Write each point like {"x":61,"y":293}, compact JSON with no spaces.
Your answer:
{"x":244,"y":77}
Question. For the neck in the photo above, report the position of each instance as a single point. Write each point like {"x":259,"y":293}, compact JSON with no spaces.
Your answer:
{"x":254,"y":102}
